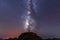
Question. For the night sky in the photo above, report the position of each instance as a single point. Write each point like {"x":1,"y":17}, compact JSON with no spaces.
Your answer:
{"x":47,"y":17}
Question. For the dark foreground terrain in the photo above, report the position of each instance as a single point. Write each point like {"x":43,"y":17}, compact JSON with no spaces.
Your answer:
{"x":29,"y":36}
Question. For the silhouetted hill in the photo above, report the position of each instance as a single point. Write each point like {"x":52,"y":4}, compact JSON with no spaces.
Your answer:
{"x":29,"y":36}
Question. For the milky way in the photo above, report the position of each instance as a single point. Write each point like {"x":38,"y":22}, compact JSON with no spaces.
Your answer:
{"x":29,"y":21}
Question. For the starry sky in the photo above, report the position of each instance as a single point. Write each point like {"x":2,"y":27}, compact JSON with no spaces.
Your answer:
{"x":47,"y":17}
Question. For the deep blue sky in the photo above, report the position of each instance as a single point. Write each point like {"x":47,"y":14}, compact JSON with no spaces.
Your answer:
{"x":47,"y":16}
